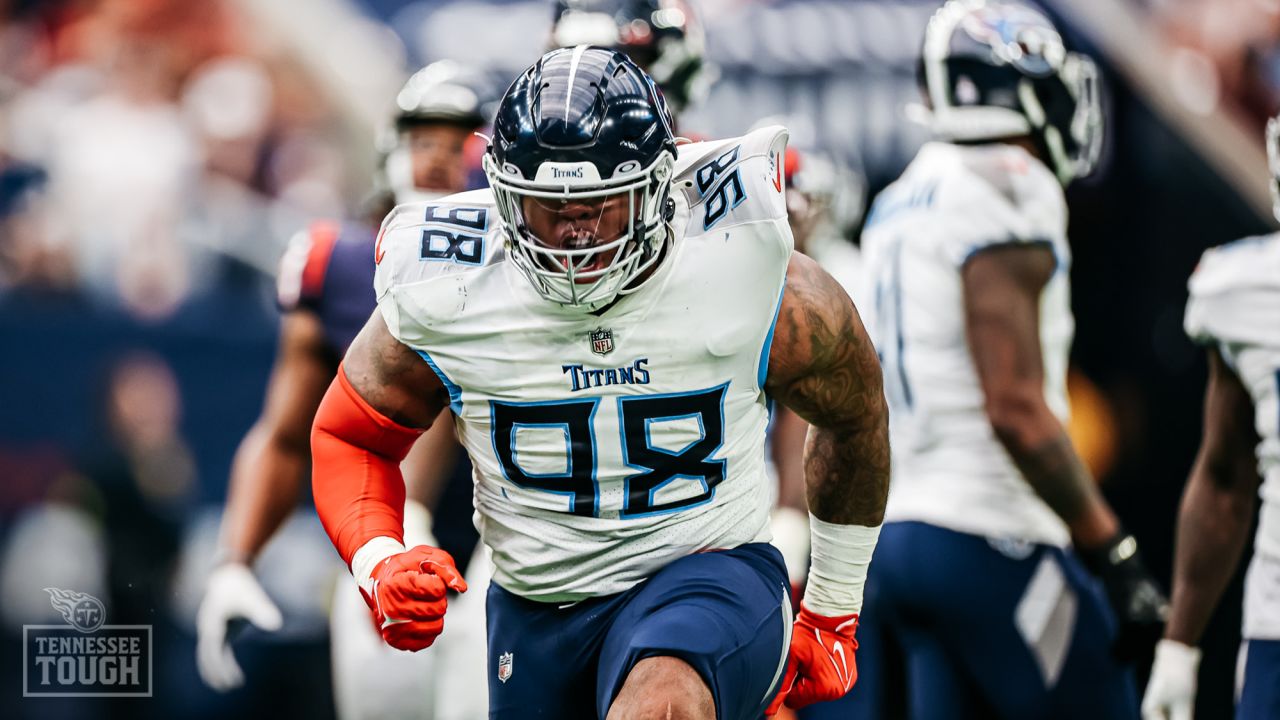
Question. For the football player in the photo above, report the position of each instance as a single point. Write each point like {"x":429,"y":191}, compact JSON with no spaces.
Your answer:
{"x":663,"y":37}
{"x":981,"y":576}
{"x":325,"y":289}
{"x":605,"y":325}
{"x":1234,"y":311}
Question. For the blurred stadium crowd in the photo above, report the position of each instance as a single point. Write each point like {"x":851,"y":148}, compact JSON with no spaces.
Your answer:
{"x":156,"y":155}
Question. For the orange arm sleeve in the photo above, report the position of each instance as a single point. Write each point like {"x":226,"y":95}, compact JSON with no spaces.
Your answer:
{"x":355,"y":469}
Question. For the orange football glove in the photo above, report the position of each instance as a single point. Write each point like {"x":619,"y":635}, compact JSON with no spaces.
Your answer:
{"x":408,"y":597}
{"x":820,"y":664}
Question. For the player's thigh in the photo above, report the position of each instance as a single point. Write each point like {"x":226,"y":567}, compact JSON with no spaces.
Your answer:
{"x":1260,"y":694}
{"x":937,"y":687}
{"x":726,"y":614}
{"x":542,"y":656}
{"x":1018,"y":623}
{"x":663,"y":688}
{"x":1092,"y":682}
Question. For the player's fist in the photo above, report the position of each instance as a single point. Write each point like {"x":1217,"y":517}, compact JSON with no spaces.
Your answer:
{"x":1171,"y":691}
{"x":408,"y":596}
{"x":1139,"y":604}
{"x":820,"y":664}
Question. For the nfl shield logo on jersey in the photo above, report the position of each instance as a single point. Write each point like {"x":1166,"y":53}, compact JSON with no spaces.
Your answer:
{"x":504,"y":666}
{"x":602,"y":341}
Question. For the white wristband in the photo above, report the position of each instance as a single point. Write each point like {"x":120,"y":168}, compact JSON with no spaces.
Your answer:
{"x":839,"y":557}
{"x":369,"y":555}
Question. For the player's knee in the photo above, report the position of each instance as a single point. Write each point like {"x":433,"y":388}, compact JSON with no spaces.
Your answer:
{"x":663,"y":688}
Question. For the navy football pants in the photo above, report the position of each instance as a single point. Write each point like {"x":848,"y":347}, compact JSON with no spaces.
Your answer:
{"x":1260,"y":696}
{"x":726,"y":613}
{"x":973,"y":628}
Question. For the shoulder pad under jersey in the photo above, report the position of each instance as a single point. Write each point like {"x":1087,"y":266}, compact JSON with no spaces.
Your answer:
{"x":423,"y":240}
{"x":1235,"y":293}
{"x":738,"y":180}
{"x":995,"y":195}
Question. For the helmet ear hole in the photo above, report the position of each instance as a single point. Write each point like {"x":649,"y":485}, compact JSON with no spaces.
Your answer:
{"x":668,"y":209}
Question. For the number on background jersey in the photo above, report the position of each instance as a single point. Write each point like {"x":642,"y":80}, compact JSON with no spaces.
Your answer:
{"x":455,"y":240}
{"x":717,"y":201}
{"x":658,"y":466}
{"x":888,"y":309}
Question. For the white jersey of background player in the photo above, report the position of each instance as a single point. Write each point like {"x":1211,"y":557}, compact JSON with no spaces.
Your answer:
{"x":967,"y":259}
{"x":720,"y":307}
{"x":952,"y":201}
{"x":1234,"y":310}
{"x":1235,"y":306}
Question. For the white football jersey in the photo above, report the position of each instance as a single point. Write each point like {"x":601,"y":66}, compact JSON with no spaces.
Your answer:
{"x":949,"y":469}
{"x":1235,"y":304}
{"x":606,"y":445}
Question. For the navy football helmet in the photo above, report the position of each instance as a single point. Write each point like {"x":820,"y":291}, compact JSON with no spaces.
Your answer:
{"x":992,"y":69}
{"x":663,"y":37}
{"x":580,"y":166}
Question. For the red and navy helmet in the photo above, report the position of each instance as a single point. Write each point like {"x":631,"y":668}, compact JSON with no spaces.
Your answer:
{"x":583,"y":124}
{"x":663,"y":37}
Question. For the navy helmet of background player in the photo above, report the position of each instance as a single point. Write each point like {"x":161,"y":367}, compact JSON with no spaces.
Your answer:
{"x":603,"y":580}
{"x":1000,"y":70}
{"x":616,"y":164}
{"x":663,"y":37}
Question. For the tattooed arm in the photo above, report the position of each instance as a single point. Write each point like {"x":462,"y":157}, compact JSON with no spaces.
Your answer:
{"x":823,"y":367}
{"x":1002,"y":289}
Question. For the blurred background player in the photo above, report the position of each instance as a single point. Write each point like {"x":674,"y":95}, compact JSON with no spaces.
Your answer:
{"x":326,"y":290}
{"x":1234,"y":311}
{"x":663,"y":37}
{"x":975,"y":579}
